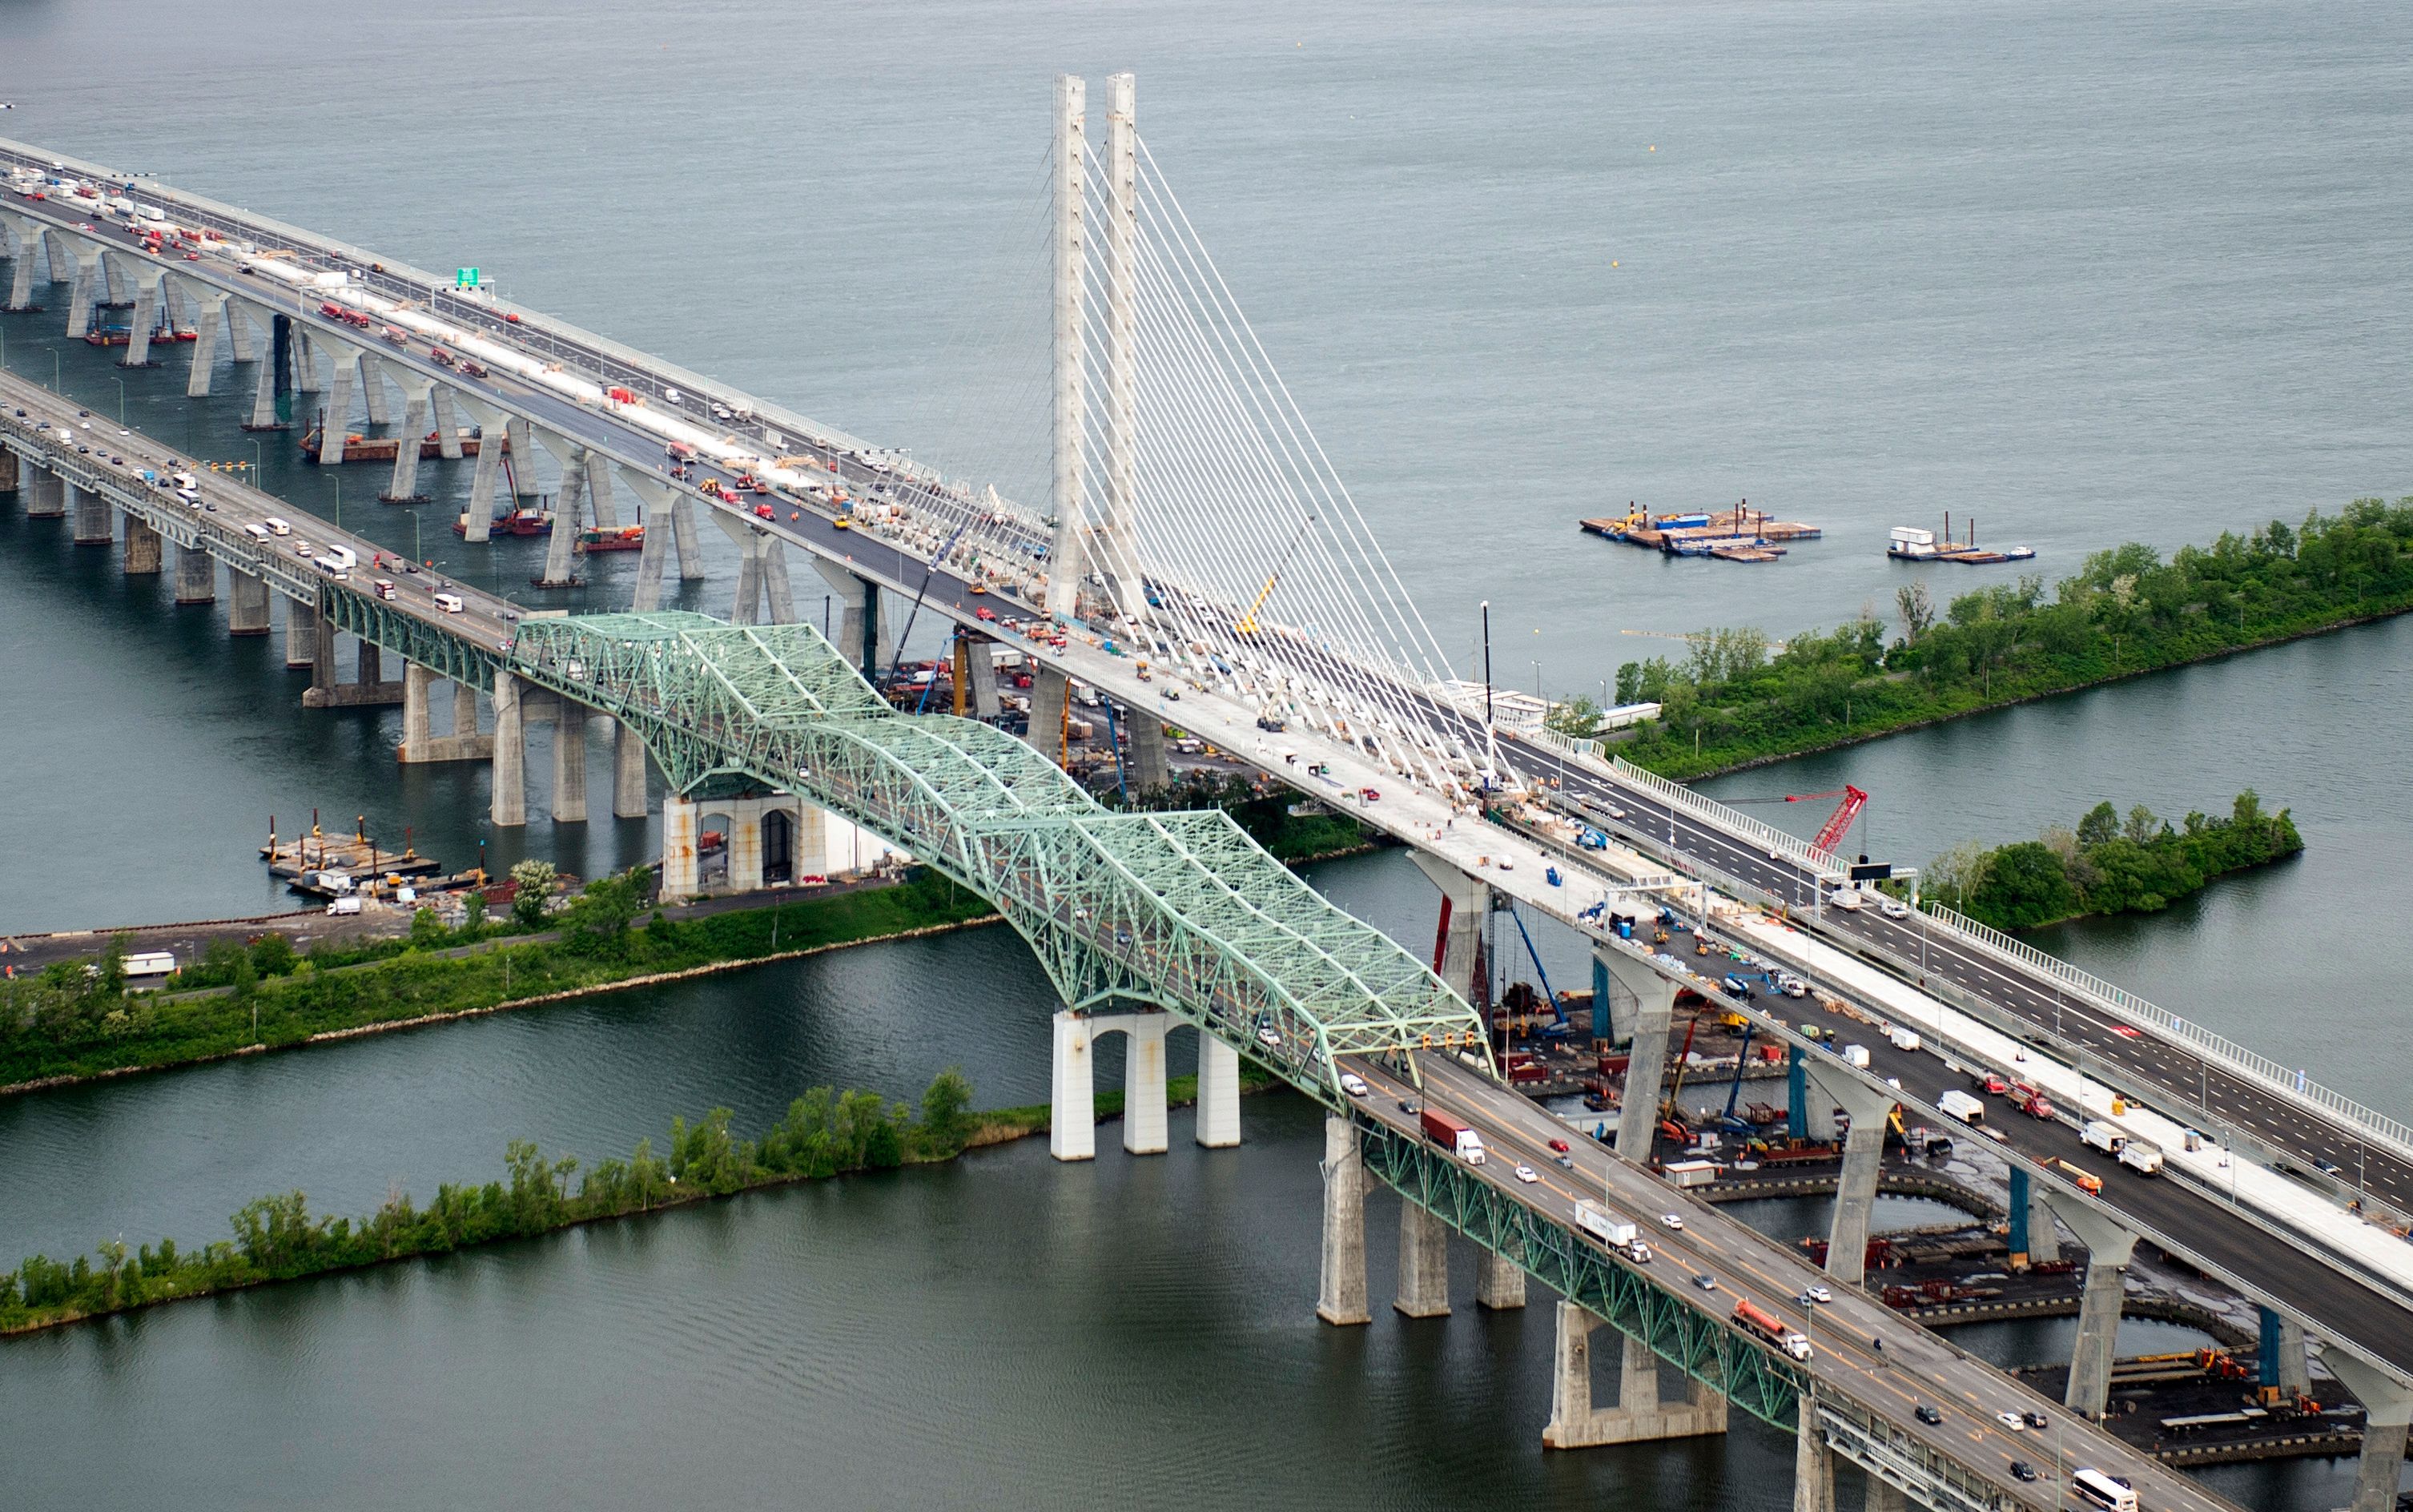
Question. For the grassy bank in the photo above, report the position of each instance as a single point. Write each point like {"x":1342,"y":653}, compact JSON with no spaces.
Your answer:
{"x":1736,"y":701}
{"x":1266,"y":814}
{"x":2106,"y":864}
{"x":277,"y":1238}
{"x":71,"y":1022}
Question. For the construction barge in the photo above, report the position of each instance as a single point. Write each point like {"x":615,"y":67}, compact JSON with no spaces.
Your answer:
{"x":358,"y":448}
{"x":318,"y":865}
{"x":1742,"y":534}
{"x":1908,"y":543}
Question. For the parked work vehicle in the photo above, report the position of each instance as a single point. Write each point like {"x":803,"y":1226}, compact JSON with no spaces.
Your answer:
{"x":2101,"y":1135}
{"x":1966,"y":1106}
{"x":1454,"y":1137}
{"x":1766,"y":1324}
{"x":2142,"y":1158}
{"x":1903,"y":1039}
{"x":2086,"y":1181}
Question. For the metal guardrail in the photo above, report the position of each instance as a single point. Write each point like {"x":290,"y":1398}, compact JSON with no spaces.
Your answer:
{"x":2287,"y":1081}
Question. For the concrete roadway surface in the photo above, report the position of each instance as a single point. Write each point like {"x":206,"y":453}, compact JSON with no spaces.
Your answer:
{"x":2359,"y":1313}
{"x":2150,"y":1059}
{"x":1914,"y":1368}
{"x":232,"y":505}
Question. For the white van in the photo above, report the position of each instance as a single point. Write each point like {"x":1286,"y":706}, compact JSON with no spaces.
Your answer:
{"x":277,"y":527}
{"x":449,"y":603}
{"x":1846,"y":898}
{"x":343,"y":557}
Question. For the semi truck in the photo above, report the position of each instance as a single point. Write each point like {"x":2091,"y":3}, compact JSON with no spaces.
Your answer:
{"x":1613,"y":1231}
{"x":1755,"y":1320}
{"x":1454,"y":1137}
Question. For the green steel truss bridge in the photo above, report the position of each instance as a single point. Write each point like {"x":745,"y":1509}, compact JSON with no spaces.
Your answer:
{"x":1179,"y":910}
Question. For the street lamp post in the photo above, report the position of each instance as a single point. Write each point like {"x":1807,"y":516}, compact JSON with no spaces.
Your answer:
{"x":258,"y":463}
{"x":121,"y":397}
{"x":338,"y":482}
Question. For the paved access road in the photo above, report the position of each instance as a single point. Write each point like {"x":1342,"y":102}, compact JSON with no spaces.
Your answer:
{"x":1913,"y":1369}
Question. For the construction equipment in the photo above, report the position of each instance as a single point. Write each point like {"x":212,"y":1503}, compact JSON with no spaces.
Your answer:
{"x":1248,"y":624}
{"x":1838,"y":824}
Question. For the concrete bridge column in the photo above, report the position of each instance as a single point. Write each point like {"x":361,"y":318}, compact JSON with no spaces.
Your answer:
{"x":1073,"y":1103}
{"x":1050,"y":694}
{"x":1145,"y":1121}
{"x":1499,"y":1282}
{"x":1466,"y":909}
{"x":196,"y":577}
{"x":568,"y":510}
{"x":89,"y":281}
{"x":2107,"y":1249}
{"x":263,"y":395}
{"x":748,"y":542}
{"x":1814,"y":1465}
{"x":1646,"y":1067}
{"x":1423,"y":1263}
{"x":148,"y":279}
{"x":448,"y":425}
{"x":628,"y":772}
{"x":980,"y":675}
{"x":1856,"y":1187}
{"x":569,"y":766}
{"x":682,"y":858}
{"x":1219,"y":1093}
{"x":305,"y":360}
{"x":654,"y":497}
{"x":211,"y":314}
{"x":334,"y":434}
{"x":26,"y":236}
{"x":93,"y":527}
{"x":248,"y":606}
{"x":2285,"y":1366}
{"x":416,"y":732}
{"x":324,"y":679}
{"x":491,"y":448}
{"x":1640,"y":1415}
{"x":509,"y":807}
{"x":418,"y":394}
{"x":779,"y":599}
{"x":2387,"y":1407}
{"x":596,"y":468}
{"x":9,"y":473}
{"x":300,"y":634}
{"x":142,"y":552}
{"x":1149,"y":768}
{"x":691,"y":549}
{"x":374,"y":403}
{"x":522,"y":449}
{"x":862,"y":639}
{"x":46,"y":493}
{"x":1340,"y":1288}
{"x":239,"y":319}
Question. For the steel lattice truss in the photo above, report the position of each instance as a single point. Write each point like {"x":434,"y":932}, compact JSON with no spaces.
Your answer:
{"x":1180,"y":910}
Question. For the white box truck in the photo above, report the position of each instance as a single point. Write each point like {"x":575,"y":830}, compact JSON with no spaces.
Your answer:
{"x":1903,"y":1039}
{"x":2142,"y":1158}
{"x":1965,"y":1107}
{"x":2106,"y":1137}
{"x":1856,"y":1055}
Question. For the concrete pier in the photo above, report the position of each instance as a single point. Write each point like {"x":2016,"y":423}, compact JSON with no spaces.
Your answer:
{"x":207,"y":319}
{"x":507,"y":808}
{"x":88,"y":282}
{"x":148,"y":279}
{"x":336,"y":415}
{"x":448,"y":424}
{"x":9,"y":472}
{"x":301,"y":635}
{"x":418,"y":396}
{"x":1813,"y":1466}
{"x":1499,"y":1282}
{"x":980,"y":674}
{"x":2107,"y":1249}
{"x":45,"y":492}
{"x":1340,"y":1287}
{"x":1646,"y":1067}
{"x":1049,"y":693}
{"x":627,"y":772}
{"x":1149,"y":768}
{"x":1423,"y":1263}
{"x":569,"y":764}
{"x":420,"y":743}
{"x":1219,"y":1093}
{"x":1856,"y":1187}
{"x":1073,"y":1132}
{"x":861,"y":638}
{"x":1640,"y":1415}
{"x":1072,"y":1103}
{"x":523,"y":445}
{"x":92,"y":525}
{"x":2387,"y":1408}
{"x":196,"y":577}
{"x":142,"y":549}
{"x":247,"y":603}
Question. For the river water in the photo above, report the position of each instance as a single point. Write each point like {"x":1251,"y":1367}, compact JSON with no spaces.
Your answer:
{"x":2086,"y":271}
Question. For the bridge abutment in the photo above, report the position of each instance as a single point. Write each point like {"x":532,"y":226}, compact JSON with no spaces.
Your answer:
{"x":2107,"y":1249}
{"x":1340,"y":1285}
{"x":1640,"y":1415}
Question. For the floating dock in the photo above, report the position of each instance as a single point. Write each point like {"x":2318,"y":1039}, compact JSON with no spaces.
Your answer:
{"x":305,"y":858}
{"x":358,"y":447}
{"x":1741,"y":534}
{"x":1910,"y":543}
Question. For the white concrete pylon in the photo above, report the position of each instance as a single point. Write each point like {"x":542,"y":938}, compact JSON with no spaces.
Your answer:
{"x":24,"y":252}
{"x":211,"y":314}
{"x":1469,"y":902}
{"x":448,"y":425}
{"x":87,"y":274}
{"x":745,"y":608}
{"x":1340,"y":1287}
{"x":492,"y":426}
{"x":659,"y":500}
{"x":1073,"y":1103}
{"x":858,"y":599}
{"x":1646,"y":1065}
{"x":334,"y":436}
{"x":419,"y":393}
{"x":149,"y":282}
{"x":1067,"y":558}
{"x":571,"y":459}
{"x":682,"y":857}
{"x":1219,"y":1093}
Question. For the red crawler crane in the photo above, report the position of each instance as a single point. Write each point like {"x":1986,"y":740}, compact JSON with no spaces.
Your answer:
{"x":1837,"y":825}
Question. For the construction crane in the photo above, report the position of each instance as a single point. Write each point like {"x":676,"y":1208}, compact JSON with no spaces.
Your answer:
{"x":1248,"y":624}
{"x":1837,"y":825}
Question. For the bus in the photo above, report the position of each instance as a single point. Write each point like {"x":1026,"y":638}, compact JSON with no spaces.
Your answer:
{"x":2094,"y":1489}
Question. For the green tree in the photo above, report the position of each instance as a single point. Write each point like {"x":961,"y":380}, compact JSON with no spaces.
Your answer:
{"x":944,"y":1105}
{"x":2143,"y":827}
{"x":534,"y":880}
{"x":2101,"y":824}
{"x":427,"y":931}
{"x":473,"y":911}
{"x":1578,"y":716}
{"x":2025,"y":885}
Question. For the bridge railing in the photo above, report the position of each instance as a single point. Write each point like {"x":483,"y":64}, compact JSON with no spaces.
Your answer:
{"x":2288,"y":1081}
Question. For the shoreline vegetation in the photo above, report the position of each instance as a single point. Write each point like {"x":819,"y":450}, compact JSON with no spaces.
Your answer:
{"x":2108,"y":865}
{"x":1739,"y":700}
{"x":75,"y":1021}
{"x":824,"y":1133}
